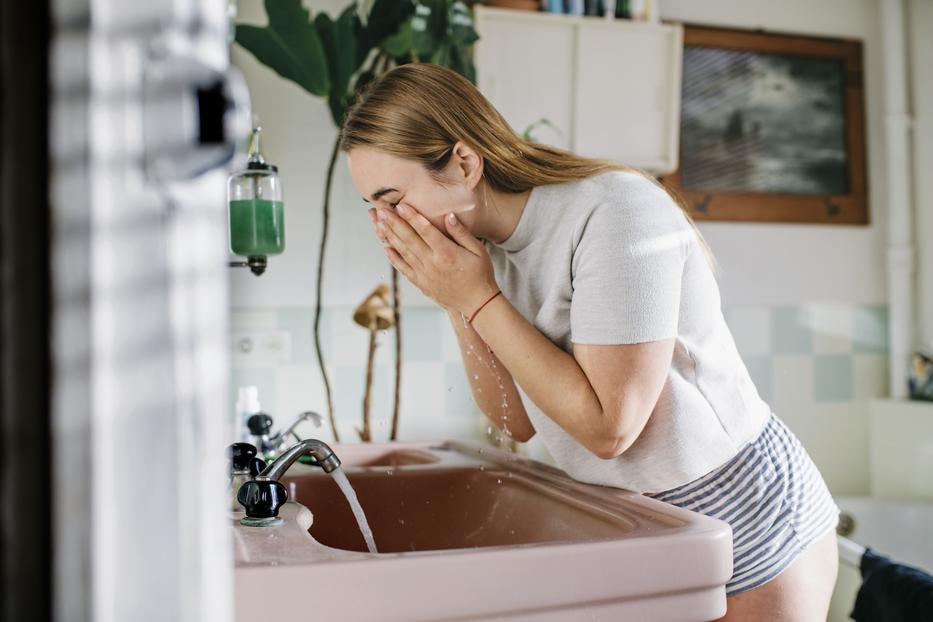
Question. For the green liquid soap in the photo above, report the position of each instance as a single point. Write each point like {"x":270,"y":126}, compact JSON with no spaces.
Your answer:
{"x":257,"y":227}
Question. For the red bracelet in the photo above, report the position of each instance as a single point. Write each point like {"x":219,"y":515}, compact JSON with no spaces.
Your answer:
{"x":488,"y":300}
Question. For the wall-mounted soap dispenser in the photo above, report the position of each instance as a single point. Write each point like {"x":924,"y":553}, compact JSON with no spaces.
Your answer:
{"x":256,"y":210}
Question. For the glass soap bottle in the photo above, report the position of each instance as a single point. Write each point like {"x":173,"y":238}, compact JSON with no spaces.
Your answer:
{"x":257,"y":213}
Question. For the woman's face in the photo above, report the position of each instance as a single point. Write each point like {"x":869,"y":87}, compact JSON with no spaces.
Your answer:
{"x":385,"y":180}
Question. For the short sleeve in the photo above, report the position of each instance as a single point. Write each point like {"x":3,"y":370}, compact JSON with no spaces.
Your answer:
{"x":627,"y":269}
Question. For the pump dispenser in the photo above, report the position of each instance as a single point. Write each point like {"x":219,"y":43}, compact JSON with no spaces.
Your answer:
{"x":257,"y":213}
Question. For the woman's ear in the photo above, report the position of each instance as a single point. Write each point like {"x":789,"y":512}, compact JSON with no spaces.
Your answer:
{"x":469,"y":162}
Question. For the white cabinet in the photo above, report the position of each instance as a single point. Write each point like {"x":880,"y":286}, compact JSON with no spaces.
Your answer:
{"x":611,"y":88}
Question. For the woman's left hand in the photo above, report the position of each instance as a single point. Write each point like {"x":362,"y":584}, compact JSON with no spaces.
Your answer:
{"x":456,"y":273}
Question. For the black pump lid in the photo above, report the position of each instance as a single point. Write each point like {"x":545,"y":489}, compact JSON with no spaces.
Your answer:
{"x":259,"y":424}
{"x":254,"y":165}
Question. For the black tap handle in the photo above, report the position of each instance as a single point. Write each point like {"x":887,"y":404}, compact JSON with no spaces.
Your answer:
{"x":262,"y":498}
{"x":241,"y":456}
{"x":256,"y":466}
{"x":259,"y":424}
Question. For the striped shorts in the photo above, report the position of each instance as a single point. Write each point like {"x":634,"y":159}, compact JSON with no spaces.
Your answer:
{"x":773,"y":497}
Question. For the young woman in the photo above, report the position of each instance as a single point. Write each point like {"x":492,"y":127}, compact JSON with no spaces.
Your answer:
{"x":587,"y":312}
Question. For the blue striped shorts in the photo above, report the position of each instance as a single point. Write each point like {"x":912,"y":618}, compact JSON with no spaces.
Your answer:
{"x":773,"y":497}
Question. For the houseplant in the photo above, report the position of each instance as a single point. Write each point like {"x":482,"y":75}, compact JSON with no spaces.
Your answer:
{"x":333,"y":59}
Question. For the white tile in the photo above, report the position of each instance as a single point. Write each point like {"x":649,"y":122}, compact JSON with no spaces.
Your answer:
{"x":793,"y":379}
{"x":450,"y":348}
{"x":836,"y":437}
{"x":870,"y":375}
{"x":832,"y":327}
{"x":422,"y":391}
{"x":253,"y":318}
{"x":902,"y":449}
{"x":751,"y":328}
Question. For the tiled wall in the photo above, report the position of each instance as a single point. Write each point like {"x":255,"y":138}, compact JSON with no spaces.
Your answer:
{"x":816,"y":364}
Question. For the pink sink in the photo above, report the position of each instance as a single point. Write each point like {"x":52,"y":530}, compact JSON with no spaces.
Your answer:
{"x":465,"y":532}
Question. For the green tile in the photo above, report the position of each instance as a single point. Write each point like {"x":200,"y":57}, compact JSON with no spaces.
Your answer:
{"x":458,"y":399}
{"x":761,"y":369}
{"x":349,"y":386}
{"x":833,"y":378}
{"x":791,"y":331}
{"x":300,"y":324}
{"x":421,"y":334}
{"x":871,"y":328}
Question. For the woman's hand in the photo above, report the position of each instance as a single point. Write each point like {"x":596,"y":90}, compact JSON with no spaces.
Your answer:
{"x":456,"y":273}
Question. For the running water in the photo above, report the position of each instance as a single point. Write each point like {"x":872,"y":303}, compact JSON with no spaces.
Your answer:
{"x":342,"y":481}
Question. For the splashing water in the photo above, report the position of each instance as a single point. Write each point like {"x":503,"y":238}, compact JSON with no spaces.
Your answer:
{"x":342,"y":481}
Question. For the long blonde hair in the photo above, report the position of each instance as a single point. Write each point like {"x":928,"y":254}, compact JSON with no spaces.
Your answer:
{"x":419,"y":111}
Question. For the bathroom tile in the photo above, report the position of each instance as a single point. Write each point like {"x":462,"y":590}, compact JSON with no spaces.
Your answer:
{"x":761,"y":369}
{"x":901,"y":448}
{"x":299,"y":388}
{"x":790,"y":330}
{"x":450,"y":349}
{"x":832,"y":326}
{"x":751,"y":328}
{"x":421,"y":333}
{"x":350,"y":340}
{"x":870,"y":373}
{"x":832,"y":378}
{"x":871,"y":328}
{"x":792,"y":379}
{"x":835,"y":435}
{"x":299,"y":322}
{"x":459,"y":399}
{"x":349,"y":387}
{"x":252,"y":318}
{"x":423,"y":391}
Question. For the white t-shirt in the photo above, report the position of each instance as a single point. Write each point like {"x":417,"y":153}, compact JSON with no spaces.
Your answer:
{"x":611,"y":259}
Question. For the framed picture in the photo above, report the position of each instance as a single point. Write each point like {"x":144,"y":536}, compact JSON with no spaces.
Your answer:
{"x":772,"y":128}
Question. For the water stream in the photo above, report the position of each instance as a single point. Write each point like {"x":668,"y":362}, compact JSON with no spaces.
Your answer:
{"x":341,"y":478}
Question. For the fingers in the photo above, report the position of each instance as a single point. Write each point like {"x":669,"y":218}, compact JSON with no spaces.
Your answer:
{"x":462,"y":235}
{"x":401,"y":265}
{"x":403,"y":238}
{"x":423,"y":227}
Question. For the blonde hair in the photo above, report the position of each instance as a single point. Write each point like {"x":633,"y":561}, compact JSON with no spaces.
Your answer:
{"x":419,"y":111}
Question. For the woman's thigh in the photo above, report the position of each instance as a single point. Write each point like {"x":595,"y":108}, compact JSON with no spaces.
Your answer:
{"x":799,"y":594}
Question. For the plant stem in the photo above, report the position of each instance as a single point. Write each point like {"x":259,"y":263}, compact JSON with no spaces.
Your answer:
{"x":365,"y":434}
{"x":320,"y":281}
{"x":396,"y":311}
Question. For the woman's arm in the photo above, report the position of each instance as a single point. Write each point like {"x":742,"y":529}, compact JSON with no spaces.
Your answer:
{"x":605,"y":415}
{"x":491,"y":383}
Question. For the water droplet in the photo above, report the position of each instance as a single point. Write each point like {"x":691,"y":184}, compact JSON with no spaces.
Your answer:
{"x":488,"y":429}
{"x":481,"y":450}
{"x":479,"y":390}
{"x":401,"y":521}
{"x":475,"y":376}
{"x":450,"y":389}
{"x":482,"y":467}
{"x":498,"y":481}
{"x":511,"y":532}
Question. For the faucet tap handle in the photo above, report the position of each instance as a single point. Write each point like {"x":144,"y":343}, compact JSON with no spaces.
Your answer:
{"x":243,"y":458}
{"x":259,"y":424}
{"x":262,"y":497}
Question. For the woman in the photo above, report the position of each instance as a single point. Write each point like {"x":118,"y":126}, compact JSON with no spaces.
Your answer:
{"x":587,"y":312}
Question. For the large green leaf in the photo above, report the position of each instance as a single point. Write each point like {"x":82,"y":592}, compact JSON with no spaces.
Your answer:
{"x":385,"y":18}
{"x":289,"y":45}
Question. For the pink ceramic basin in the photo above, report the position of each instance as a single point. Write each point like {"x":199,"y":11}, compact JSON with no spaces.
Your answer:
{"x":469,"y":532}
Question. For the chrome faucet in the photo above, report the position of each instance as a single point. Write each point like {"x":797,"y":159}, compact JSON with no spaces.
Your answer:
{"x":264,"y":495}
{"x":271,"y":445}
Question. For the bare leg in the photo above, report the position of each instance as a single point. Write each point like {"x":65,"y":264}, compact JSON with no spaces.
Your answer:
{"x":799,"y":594}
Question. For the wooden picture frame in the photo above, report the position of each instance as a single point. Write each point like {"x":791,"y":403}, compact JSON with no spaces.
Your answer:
{"x":772,"y":128}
